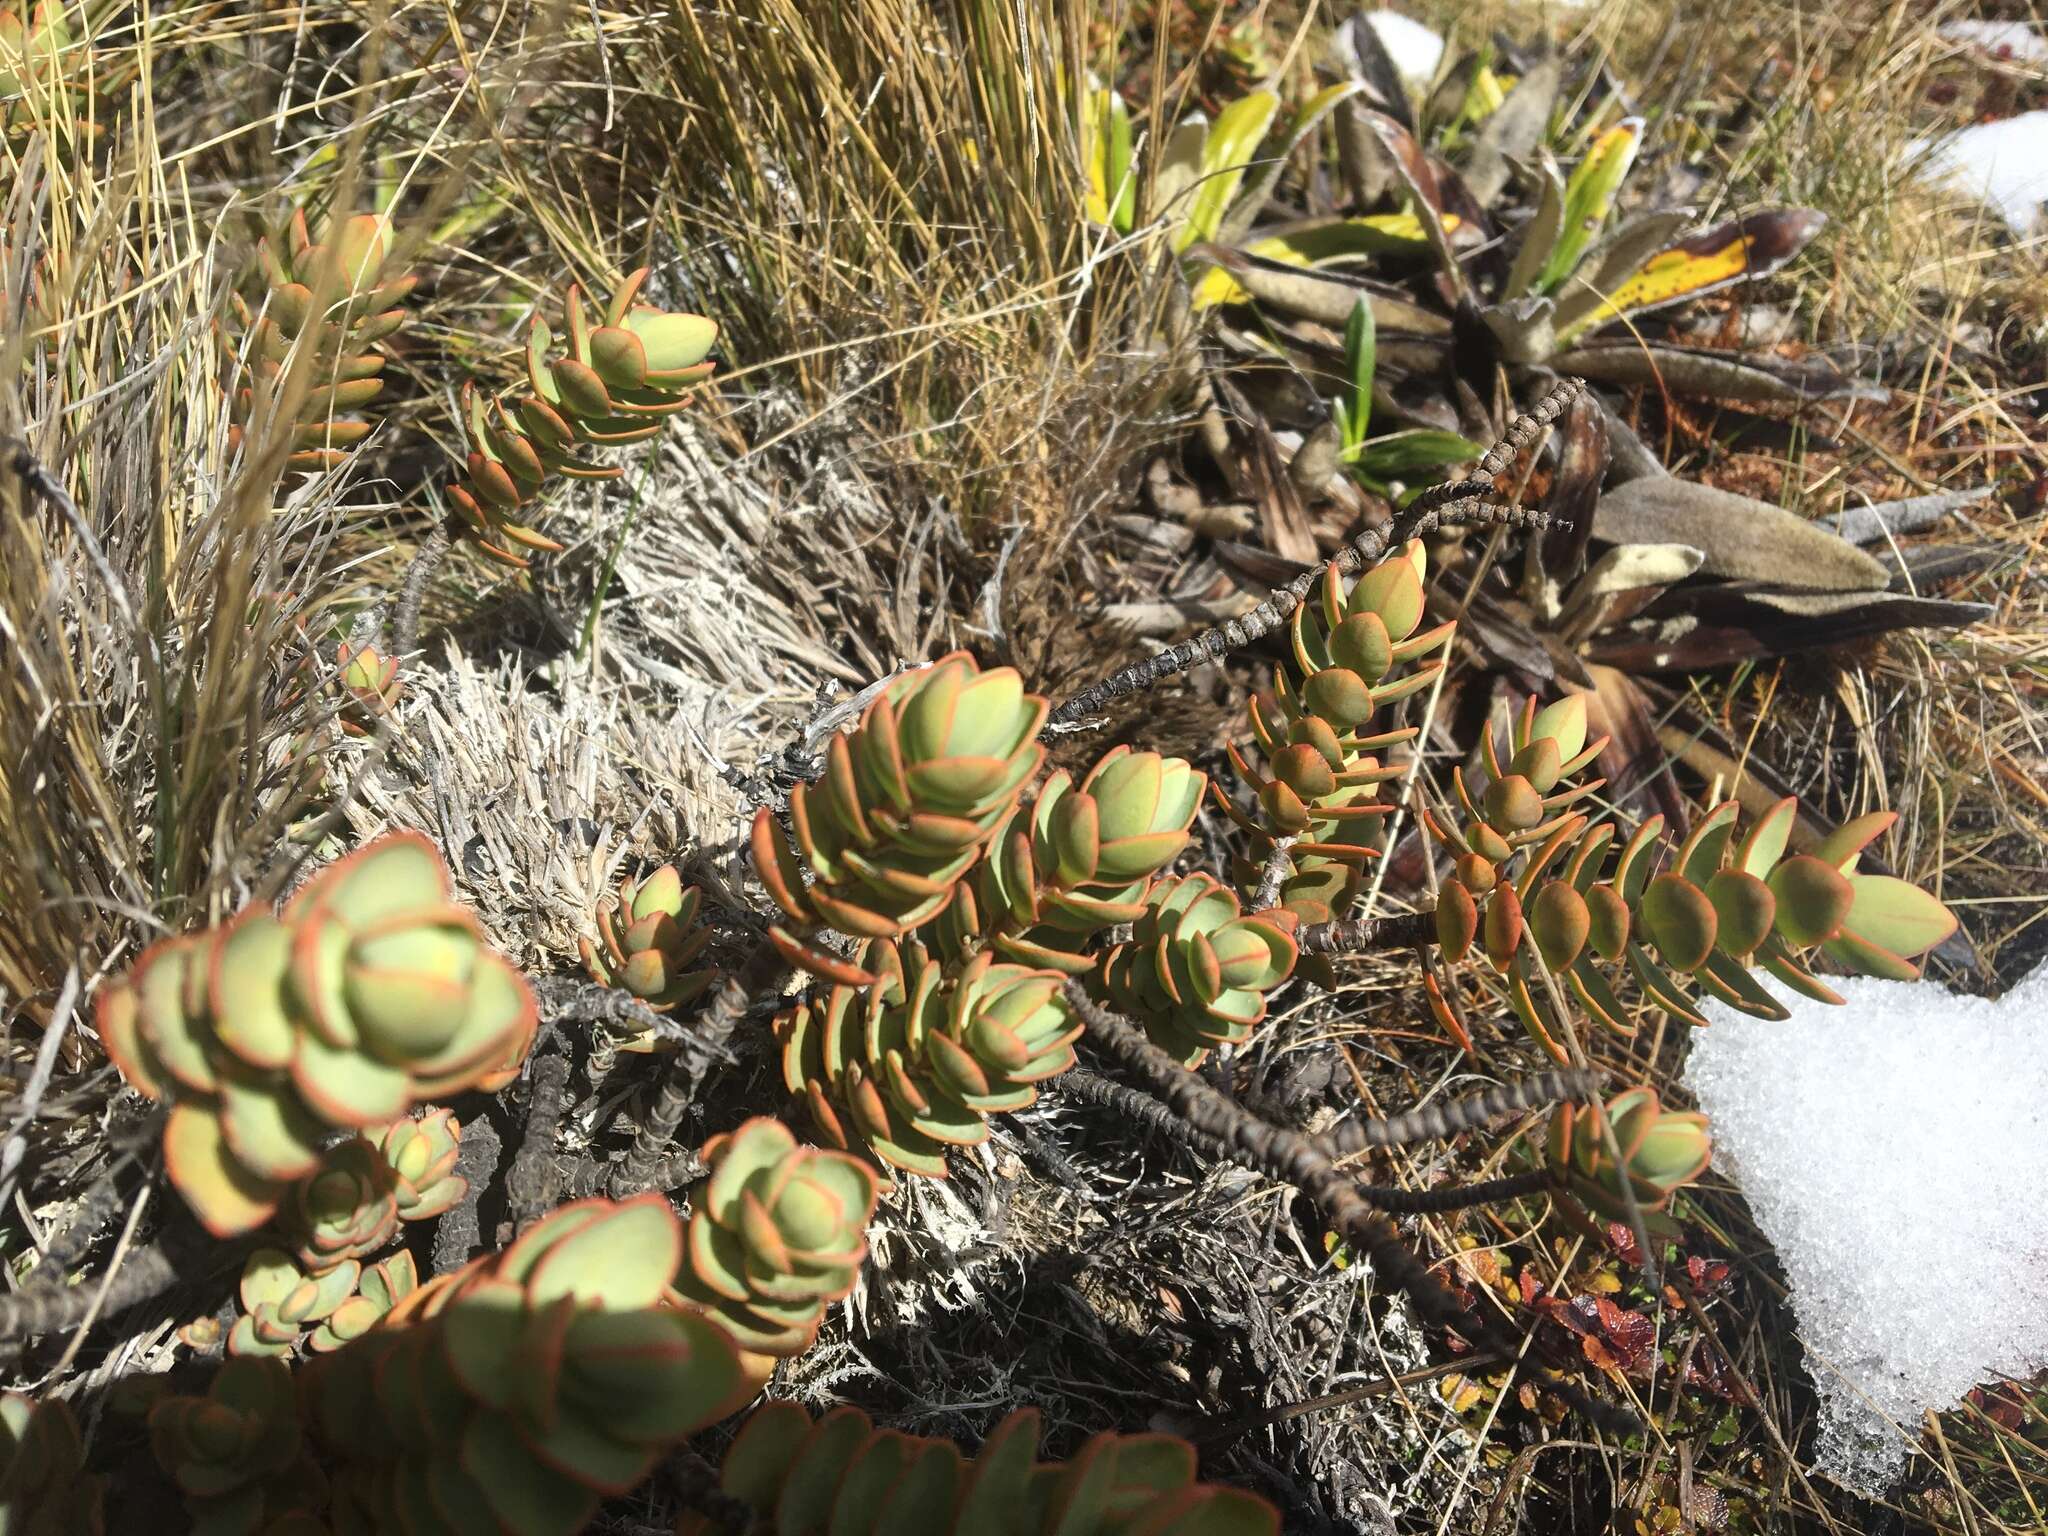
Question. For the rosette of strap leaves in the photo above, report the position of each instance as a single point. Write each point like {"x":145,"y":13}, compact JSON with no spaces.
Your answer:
{"x":840,"y":1473}
{"x":1532,"y":887}
{"x":281,"y":1302}
{"x":650,"y":945}
{"x":237,"y":1454}
{"x":1353,"y":650}
{"x":43,"y":1487}
{"x":1075,"y":860}
{"x":331,"y":304}
{"x":1198,"y":967}
{"x":373,"y":991}
{"x":1661,"y":1151}
{"x":776,"y":1235}
{"x":910,"y":798}
{"x":613,"y":384}
{"x":515,"y":1393}
{"x":912,"y":1066}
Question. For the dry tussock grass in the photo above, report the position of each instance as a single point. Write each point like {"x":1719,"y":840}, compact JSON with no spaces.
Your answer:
{"x":929,"y":354}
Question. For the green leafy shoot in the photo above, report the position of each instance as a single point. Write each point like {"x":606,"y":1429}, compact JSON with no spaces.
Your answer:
{"x":1361,"y":349}
{"x":1375,"y":462}
{"x":1589,"y":199}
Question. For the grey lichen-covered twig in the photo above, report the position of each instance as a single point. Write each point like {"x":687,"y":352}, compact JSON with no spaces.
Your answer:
{"x":1278,"y":863}
{"x":1455,"y":502}
{"x":458,"y":1235}
{"x":1139,"y":1107}
{"x":763,"y":969}
{"x":1440,"y":1122}
{"x":183,"y":1253}
{"x":531,"y":1183}
{"x":572,"y":1000}
{"x":412,"y":591}
{"x":1358,"y":935}
{"x":1294,"y":1159}
{"x":144,"y":1273}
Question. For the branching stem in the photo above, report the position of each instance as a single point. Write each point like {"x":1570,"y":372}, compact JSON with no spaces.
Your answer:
{"x":1359,"y":935}
{"x":1293,"y":1159}
{"x":531,"y":1181}
{"x":1440,"y":1122}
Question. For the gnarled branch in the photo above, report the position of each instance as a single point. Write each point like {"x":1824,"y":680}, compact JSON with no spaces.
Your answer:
{"x":1293,"y":1159}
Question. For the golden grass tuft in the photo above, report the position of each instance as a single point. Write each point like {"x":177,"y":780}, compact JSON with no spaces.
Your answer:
{"x":882,"y":202}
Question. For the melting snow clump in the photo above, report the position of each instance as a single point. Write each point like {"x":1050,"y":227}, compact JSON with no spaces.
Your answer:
{"x":1895,"y":1152}
{"x":2013,"y":40}
{"x":1414,"y":48}
{"x":2005,"y":163}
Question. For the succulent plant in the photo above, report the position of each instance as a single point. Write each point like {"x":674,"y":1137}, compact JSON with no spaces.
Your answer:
{"x":360,"y":308}
{"x":39,"y":59}
{"x":43,"y":1487}
{"x":1198,"y":967}
{"x":1720,"y":907}
{"x":381,"y":1287}
{"x":649,"y":945}
{"x":369,"y":684}
{"x":1661,"y":1151}
{"x":910,"y":799}
{"x":346,"y":1209}
{"x":614,"y":384}
{"x":1354,"y":650}
{"x":1534,"y":290}
{"x":912,"y":1065}
{"x":777,"y":1233}
{"x":515,"y":1393}
{"x":1076,"y":861}
{"x":372,"y":992}
{"x":281,"y":1302}
{"x":235,"y":1453}
{"x":421,"y":1155}
{"x":841,"y":1473}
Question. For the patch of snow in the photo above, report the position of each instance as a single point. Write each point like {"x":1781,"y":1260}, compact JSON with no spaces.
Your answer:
{"x":2004,"y":163}
{"x":1893,"y":1151}
{"x":2013,"y":40}
{"x":1414,"y":48}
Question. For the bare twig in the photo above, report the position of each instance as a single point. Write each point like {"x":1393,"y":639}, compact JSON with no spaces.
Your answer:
{"x":1456,"y":1197}
{"x":146,"y":1273}
{"x":135,"y":1276}
{"x":572,"y":1000}
{"x":1137,"y":1106}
